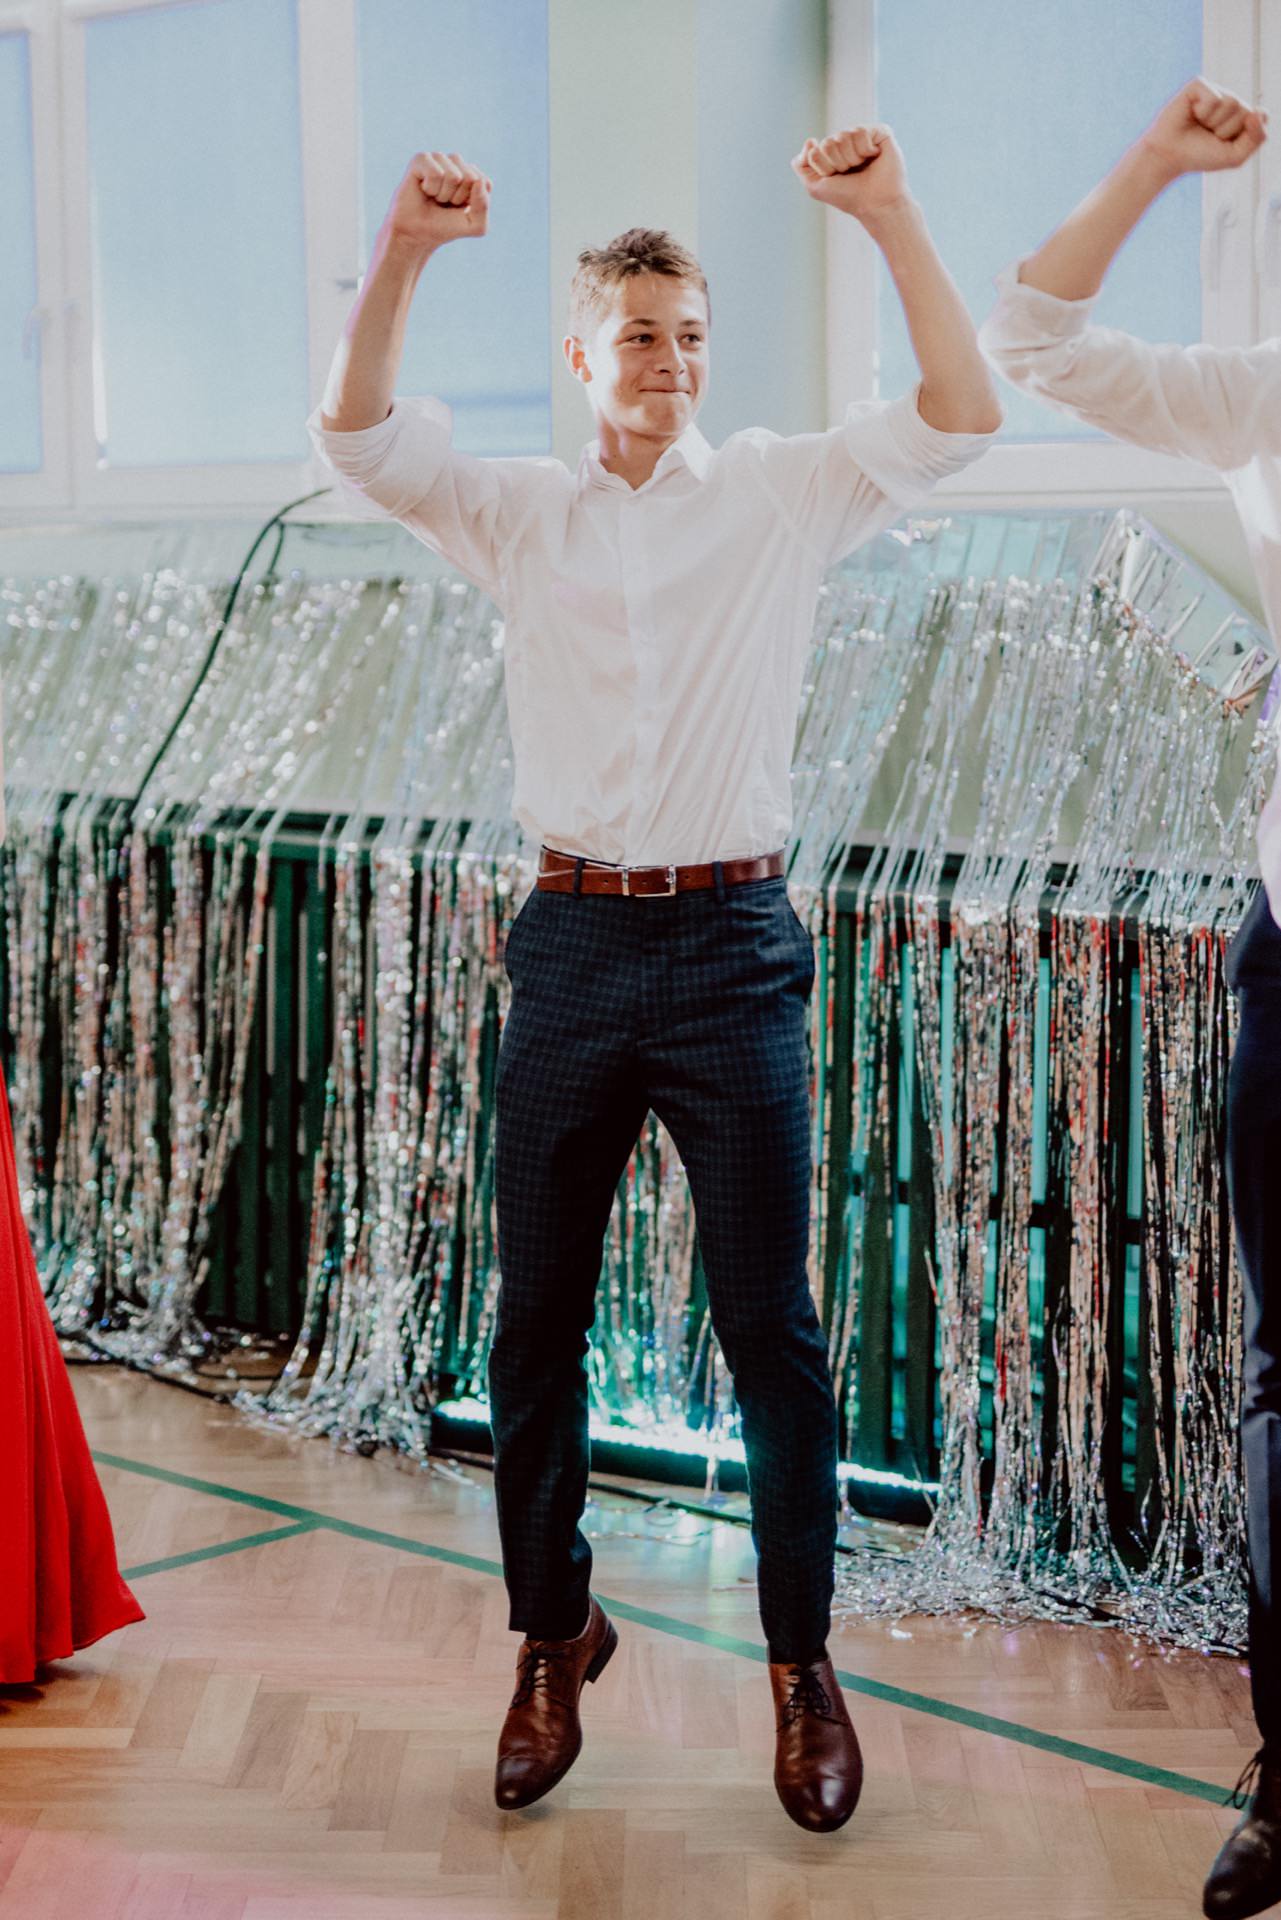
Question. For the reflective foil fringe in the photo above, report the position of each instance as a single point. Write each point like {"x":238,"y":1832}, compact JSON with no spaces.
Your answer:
{"x":1023,"y":840}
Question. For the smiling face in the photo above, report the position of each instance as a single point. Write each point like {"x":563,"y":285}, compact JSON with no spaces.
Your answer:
{"x":645,"y":364}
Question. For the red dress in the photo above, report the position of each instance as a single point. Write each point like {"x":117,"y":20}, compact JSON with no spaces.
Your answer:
{"x":60,"y":1587}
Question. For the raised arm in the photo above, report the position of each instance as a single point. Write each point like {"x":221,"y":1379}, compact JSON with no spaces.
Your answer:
{"x":1202,"y":130}
{"x":1218,"y":405}
{"x":440,"y":199}
{"x":861,"y":172}
{"x":397,"y":453}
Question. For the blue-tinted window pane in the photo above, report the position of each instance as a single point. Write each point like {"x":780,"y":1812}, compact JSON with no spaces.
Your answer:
{"x":1008,"y":116}
{"x":469,"y":80}
{"x":199,"y":275}
{"x":20,"y":449}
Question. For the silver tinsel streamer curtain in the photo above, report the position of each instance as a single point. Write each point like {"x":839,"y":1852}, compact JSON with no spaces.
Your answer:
{"x":259,"y":871}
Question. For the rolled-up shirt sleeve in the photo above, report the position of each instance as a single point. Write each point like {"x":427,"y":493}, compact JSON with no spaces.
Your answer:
{"x":901,"y":452}
{"x":841,"y":487}
{"x":466,"y":509}
{"x":1219,"y":405}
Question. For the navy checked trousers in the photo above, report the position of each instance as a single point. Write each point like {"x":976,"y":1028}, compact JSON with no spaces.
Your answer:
{"x":693,"y":1006}
{"x":1254,"y":1175}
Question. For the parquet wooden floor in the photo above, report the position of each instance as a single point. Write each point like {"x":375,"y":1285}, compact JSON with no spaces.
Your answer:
{"x":303,"y":1728}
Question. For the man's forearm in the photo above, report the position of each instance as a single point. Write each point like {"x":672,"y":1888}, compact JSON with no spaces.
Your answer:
{"x":362,"y":380}
{"x":1072,"y":262}
{"x":957,"y":391}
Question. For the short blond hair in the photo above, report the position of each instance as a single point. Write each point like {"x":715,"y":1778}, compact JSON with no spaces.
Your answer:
{"x":601,"y":270}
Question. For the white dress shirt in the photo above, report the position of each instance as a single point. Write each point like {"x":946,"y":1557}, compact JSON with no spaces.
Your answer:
{"x":1221,"y":406}
{"x":656,"y":638}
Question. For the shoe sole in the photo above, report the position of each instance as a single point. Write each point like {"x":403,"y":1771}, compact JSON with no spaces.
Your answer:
{"x":1243,"y":1909}
{"x":817,"y":1826}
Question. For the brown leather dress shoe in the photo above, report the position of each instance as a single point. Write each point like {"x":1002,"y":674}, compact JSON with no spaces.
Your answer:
{"x":1246,"y":1877}
{"x":818,"y":1768}
{"x":542,"y":1735}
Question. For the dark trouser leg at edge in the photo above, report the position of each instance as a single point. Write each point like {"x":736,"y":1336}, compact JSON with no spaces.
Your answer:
{"x":1246,"y":1877}
{"x":1254,"y":1165}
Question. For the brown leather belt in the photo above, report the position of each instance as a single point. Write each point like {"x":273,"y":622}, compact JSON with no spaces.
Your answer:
{"x":556,"y":873}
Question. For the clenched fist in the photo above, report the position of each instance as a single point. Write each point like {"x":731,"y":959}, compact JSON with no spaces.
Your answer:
{"x":1204,"y":129}
{"x":861,"y":171}
{"x":441,"y":198}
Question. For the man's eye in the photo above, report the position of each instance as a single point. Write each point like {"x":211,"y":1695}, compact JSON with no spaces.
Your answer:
{"x":638,"y":337}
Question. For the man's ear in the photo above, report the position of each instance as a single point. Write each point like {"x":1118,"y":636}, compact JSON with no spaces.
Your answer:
{"x":576,"y":358}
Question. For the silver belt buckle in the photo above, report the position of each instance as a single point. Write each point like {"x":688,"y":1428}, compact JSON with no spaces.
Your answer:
{"x":666,"y":894}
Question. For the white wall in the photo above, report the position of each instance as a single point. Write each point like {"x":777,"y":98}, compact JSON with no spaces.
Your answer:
{"x":1210,"y":533}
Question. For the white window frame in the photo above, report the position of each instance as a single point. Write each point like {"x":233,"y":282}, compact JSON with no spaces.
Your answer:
{"x":51,"y":486}
{"x":73,"y":481}
{"x":73,"y":485}
{"x":1241,"y":229}
{"x":1267,"y":213}
{"x":99,"y":488}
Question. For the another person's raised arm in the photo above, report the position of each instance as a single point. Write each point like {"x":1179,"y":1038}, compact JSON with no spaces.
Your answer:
{"x":1202,"y":130}
{"x":1214,"y":405}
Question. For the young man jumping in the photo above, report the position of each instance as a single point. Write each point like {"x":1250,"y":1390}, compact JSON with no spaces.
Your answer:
{"x":1223,"y":408}
{"x":659,"y":604}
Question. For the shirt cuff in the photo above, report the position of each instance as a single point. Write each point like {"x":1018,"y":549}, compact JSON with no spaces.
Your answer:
{"x":395,"y":462}
{"x":1028,"y":316}
{"x":903,"y":454}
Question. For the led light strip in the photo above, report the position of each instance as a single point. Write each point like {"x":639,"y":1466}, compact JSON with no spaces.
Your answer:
{"x":680,"y":1440}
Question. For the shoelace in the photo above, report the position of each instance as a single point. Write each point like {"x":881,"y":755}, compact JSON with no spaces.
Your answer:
{"x":1245,"y":1786}
{"x":808,"y":1695}
{"x":537,"y":1665}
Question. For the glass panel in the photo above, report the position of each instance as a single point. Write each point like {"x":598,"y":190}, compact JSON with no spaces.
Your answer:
{"x":470,"y":80}
{"x":20,"y":439}
{"x":199,"y":273}
{"x":1007,"y":117}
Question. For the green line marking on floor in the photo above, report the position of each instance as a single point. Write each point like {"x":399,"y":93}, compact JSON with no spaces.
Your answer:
{"x":902,"y":1697}
{"x":940,"y":1709}
{"x":287,"y":1511}
{"x":215,"y":1552}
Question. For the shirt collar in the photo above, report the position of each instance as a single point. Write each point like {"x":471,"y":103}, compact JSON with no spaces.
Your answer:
{"x":691,"y":450}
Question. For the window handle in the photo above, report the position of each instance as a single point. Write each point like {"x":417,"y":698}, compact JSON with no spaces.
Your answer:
{"x":33,"y":331}
{"x":1267,"y":241}
{"x":1214,"y":246}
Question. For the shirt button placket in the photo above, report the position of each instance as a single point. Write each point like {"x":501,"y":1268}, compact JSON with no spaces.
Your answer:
{"x":639,"y":600}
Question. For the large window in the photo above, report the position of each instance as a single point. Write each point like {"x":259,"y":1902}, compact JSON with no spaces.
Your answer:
{"x":469,"y":80}
{"x":199,"y":276}
{"x":189,"y":190}
{"x":1007,"y":116}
